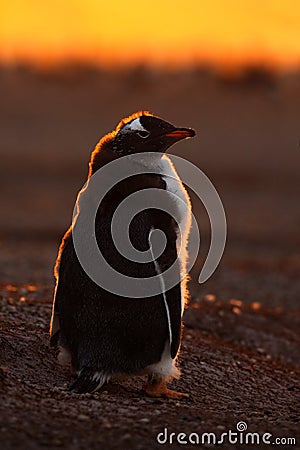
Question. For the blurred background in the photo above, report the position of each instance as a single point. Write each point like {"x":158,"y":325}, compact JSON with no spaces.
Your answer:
{"x":69,"y":71}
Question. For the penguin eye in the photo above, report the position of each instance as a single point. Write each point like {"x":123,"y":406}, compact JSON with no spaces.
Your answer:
{"x":143,"y":134}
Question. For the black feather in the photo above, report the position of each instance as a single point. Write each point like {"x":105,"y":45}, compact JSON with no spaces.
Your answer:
{"x":88,"y":381}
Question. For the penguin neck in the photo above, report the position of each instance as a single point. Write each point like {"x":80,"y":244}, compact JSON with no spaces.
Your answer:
{"x":149,"y":160}
{"x":102,"y":155}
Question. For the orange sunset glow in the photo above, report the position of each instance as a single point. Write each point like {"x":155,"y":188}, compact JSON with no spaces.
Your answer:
{"x":174,"y":32}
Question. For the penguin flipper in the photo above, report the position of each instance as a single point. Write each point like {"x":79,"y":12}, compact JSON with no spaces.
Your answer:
{"x":89,"y":381}
{"x":54,"y":329}
{"x":59,"y":292}
{"x":55,"y":322}
{"x":173,"y":299}
{"x":54,"y":340}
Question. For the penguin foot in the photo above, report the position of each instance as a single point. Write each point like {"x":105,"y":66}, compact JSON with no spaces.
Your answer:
{"x":158,"y":388}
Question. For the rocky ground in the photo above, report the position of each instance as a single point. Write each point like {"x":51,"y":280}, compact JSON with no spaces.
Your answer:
{"x":239,"y":360}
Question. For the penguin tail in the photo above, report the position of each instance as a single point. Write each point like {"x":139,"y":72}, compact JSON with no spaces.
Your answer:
{"x":89,"y":381}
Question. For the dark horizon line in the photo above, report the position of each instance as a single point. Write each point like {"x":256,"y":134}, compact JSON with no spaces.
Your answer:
{"x":201,"y":66}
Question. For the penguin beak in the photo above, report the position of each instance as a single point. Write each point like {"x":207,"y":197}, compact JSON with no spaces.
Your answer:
{"x":181,"y":133}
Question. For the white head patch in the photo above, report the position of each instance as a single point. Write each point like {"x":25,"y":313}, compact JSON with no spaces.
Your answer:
{"x":135,"y":125}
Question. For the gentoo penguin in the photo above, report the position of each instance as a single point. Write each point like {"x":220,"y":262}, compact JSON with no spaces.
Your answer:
{"x":107,"y":336}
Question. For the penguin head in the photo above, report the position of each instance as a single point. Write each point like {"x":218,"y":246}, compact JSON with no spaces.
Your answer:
{"x":143,"y":132}
{"x":140,"y":132}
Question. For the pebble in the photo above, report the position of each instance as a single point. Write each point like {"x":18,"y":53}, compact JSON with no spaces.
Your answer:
{"x":210,"y":297}
{"x":232,"y":405}
{"x":82,"y":417}
{"x":144,"y":420}
{"x":56,"y":389}
{"x":57,"y":442}
{"x":123,"y":411}
{"x":23,"y":291}
{"x":126,"y":437}
{"x":260,"y":350}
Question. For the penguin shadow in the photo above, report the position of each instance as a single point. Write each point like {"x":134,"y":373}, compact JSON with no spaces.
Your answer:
{"x":117,"y":388}
{"x":123,"y":388}
{"x":134,"y":388}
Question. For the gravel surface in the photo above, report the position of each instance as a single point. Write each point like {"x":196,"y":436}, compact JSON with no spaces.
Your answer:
{"x":239,"y":360}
